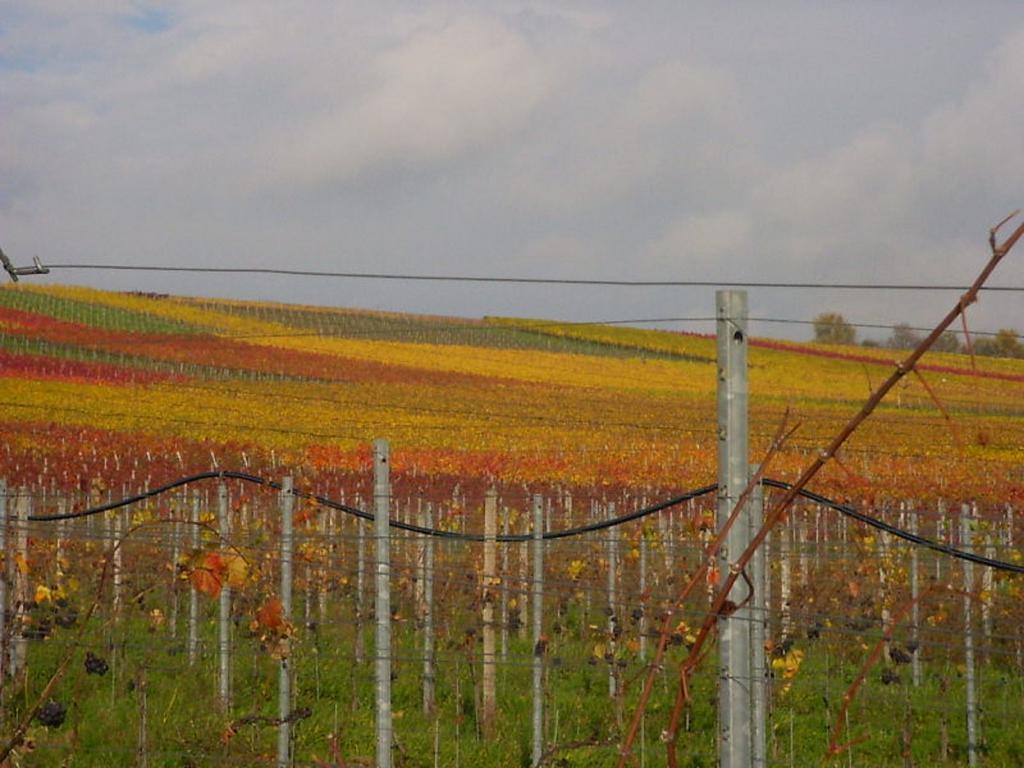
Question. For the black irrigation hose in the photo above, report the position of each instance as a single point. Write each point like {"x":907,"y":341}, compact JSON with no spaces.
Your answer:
{"x":364,"y":515}
{"x":844,"y":509}
{"x":892,"y":530}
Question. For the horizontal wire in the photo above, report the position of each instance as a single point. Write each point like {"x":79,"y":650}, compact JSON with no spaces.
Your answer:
{"x":532,"y":280}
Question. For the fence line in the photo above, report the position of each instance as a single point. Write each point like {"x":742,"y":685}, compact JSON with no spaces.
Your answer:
{"x":564,"y":649}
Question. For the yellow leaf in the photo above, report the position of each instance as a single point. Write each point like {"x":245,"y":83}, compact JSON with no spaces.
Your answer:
{"x":237,"y":569}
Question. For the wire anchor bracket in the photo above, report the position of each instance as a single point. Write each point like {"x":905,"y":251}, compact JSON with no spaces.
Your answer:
{"x":37,"y":267}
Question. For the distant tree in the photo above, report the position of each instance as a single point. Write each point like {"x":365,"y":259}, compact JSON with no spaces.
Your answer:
{"x":903,"y":337}
{"x":873,"y":343}
{"x":1006,"y":343}
{"x":947,"y":342}
{"x":832,"y":328}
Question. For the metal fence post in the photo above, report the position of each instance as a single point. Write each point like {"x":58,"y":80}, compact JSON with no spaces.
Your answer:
{"x":224,"y":608}
{"x":19,"y":644}
{"x":428,"y":613}
{"x":966,"y":522}
{"x":612,"y":608}
{"x":382,"y":651}
{"x":175,"y":554}
{"x":642,"y":623}
{"x":193,"y":594}
{"x":538,"y":617}
{"x":503,"y":619}
{"x":915,"y":609}
{"x":758,"y":633}
{"x":489,"y":676}
{"x":734,"y":701}
{"x":284,"y":679}
{"x":360,"y":643}
{"x":117,"y":556}
{"x":3,"y":580}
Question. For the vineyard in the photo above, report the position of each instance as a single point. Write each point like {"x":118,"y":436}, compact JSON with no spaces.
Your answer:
{"x":162,"y":632}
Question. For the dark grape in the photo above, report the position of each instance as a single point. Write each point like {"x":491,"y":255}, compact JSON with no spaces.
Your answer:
{"x":67,"y":617}
{"x":94,"y":665}
{"x":52,"y":714}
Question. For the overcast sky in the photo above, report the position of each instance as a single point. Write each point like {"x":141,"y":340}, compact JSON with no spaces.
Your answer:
{"x":775,"y":141}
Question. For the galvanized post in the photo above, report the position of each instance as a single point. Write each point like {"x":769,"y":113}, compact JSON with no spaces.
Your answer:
{"x":538,"y":618}
{"x":224,"y":608}
{"x":758,"y":633}
{"x":971,"y":694}
{"x":613,"y":619}
{"x":915,"y":609}
{"x":987,"y":590}
{"x":524,"y":566}
{"x":114,"y":527}
{"x":734,"y":701}
{"x":193,"y":595}
{"x":381,"y":510}
{"x":3,"y":581}
{"x":503,"y":619}
{"x":327,"y":537}
{"x":489,"y":676}
{"x":360,"y":643}
{"x":62,"y":533}
{"x":19,"y":646}
{"x":642,"y":623}
{"x":428,"y":614}
{"x":284,"y":677}
{"x":175,"y":553}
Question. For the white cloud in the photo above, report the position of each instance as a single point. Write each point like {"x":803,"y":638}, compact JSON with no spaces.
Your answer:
{"x":450,"y":88}
{"x":700,"y":244}
{"x":675,"y":127}
{"x":545,"y":136}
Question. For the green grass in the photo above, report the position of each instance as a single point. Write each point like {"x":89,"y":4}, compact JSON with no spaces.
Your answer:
{"x":185,"y":725}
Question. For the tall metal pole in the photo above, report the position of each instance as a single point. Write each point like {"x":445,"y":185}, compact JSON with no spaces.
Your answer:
{"x":758,"y":633}
{"x":734,"y":700}
{"x":642,"y":624}
{"x":381,"y":511}
{"x":489,"y":676}
{"x":193,"y":595}
{"x":224,"y":614}
{"x":613,"y":619}
{"x":19,"y":645}
{"x":360,"y":589}
{"x":284,"y":676}
{"x":966,"y":520}
{"x":3,"y":582}
{"x":915,"y":609}
{"x":428,"y":614}
{"x":538,"y":619}
{"x":503,"y":620}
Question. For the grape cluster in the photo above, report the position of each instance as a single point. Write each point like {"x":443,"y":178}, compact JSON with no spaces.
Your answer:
{"x":52,"y":714}
{"x":94,"y":665}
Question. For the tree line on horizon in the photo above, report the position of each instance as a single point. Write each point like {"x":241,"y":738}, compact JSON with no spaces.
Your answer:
{"x":833,"y":328}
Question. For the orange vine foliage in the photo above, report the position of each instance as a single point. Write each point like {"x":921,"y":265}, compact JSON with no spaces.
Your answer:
{"x":134,"y":388}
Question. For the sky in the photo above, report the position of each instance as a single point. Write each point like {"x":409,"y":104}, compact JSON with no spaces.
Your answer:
{"x":849,"y":142}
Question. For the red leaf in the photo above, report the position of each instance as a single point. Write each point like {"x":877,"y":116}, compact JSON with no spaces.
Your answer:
{"x":271,"y":614}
